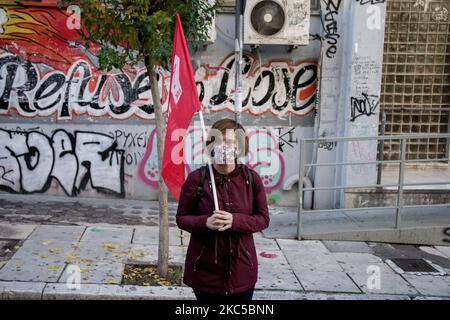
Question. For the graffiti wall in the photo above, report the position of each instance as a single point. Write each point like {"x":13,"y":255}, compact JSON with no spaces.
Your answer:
{"x":277,"y":87}
{"x":46,"y":72}
{"x":60,"y":132}
{"x":35,"y":90}
{"x":111,"y":162}
{"x":32,"y":159}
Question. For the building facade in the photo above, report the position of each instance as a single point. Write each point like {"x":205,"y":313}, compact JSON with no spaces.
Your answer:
{"x":71,"y":130}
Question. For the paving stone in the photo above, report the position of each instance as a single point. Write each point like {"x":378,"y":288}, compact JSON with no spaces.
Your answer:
{"x":21,"y":290}
{"x":96,"y":272}
{"x":45,"y":250}
{"x":148,"y":254}
{"x":278,"y":260}
{"x":430,"y":285}
{"x":22,"y":211}
{"x":24,"y":270}
{"x":57,"y":233}
{"x":444,"y":250}
{"x":107,"y":234}
{"x":265,"y":244}
{"x":40,"y":209}
{"x":298,"y":295}
{"x":268,"y":279}
{"x":37,"y":261}
{"x":430,"y":298}
{"x":390,"y":282}
{"x":87,"y":251}
{"x":387,"y":250}
{"x":348,"y":246}
{"x":150,"y":235}
{"x":108,"y":292}
{"x":15,"y":231}
{"x":275,"y":273}
{"x":302,"y":246}
{"x":356,"y":262}
{"x":327,"y":281}
{"x":312,"y":261}
{"x":432,"y":250}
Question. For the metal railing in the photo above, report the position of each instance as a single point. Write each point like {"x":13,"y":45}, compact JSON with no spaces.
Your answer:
{"x":400,"y":185}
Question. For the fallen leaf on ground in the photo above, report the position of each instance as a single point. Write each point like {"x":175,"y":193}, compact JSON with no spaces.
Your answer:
{"x":112,"y":281}
{"x":53,"y":267}
{"x":70,"y":261}
{"x":138,"y":254}
{"x":109,"y":246}
{"x":86,"y":260}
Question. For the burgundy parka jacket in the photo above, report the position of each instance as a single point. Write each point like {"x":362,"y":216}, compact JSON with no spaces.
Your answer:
{"x":222,"y":262}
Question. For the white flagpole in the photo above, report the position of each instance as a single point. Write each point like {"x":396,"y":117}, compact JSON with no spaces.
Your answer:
{"x":208,"y":160}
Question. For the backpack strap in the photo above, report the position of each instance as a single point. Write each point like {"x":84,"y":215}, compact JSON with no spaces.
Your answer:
{"x":250,"y":176}
{"x":202,"y":181}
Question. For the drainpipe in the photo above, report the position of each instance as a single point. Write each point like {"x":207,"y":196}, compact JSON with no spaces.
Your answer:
{"x":316,"y":117}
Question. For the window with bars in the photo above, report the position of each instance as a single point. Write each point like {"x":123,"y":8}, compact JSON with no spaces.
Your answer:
{"x":415,"y":92}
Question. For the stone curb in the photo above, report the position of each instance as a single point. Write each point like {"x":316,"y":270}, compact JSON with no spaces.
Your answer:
{"x":14,"y":290}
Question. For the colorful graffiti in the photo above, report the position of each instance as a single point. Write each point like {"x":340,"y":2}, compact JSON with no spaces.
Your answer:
{"x":264,"y":157}
{"x":120,"y":161}
{"x":29,"y":160}
{"x":148,"y":168}
{"x":80,"y":91}
{"x":41,"y":35}
{"x":45,"y":71}
{"x":276,"y":87}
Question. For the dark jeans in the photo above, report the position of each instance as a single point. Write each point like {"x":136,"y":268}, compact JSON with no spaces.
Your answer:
{"x":218,"y":298}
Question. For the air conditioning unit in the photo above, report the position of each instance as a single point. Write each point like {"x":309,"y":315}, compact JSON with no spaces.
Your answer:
{"x":277,"y":22}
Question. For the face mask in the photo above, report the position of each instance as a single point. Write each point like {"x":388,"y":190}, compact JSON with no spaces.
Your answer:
{"x":224,"y":154}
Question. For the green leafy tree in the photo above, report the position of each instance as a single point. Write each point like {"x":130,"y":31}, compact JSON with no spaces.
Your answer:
{"x":133,"y":31}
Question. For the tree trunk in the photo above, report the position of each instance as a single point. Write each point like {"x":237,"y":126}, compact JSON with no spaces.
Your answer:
{"x":163,"y":247}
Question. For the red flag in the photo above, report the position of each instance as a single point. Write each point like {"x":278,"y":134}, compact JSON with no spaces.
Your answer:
{"x":183,"y":104}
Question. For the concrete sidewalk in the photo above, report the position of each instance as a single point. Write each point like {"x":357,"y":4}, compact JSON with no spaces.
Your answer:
{"x":34,"y":263}
{"x":41,"y":235}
